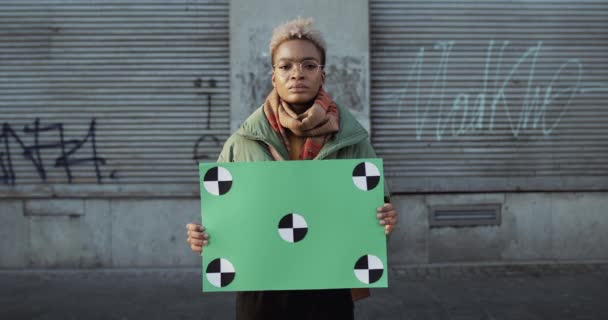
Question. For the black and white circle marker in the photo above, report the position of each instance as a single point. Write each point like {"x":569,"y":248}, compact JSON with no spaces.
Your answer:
{"x":369,"y":269}
{"x":366,"y":176}
{"x":293,"y":227}
{"x":217,"y":181}
{"x":220,"y":272}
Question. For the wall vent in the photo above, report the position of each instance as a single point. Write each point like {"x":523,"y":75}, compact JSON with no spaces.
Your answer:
{"x":464,"y":215}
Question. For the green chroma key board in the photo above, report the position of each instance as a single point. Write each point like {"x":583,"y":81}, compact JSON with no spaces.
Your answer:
{"x":292,"y":225}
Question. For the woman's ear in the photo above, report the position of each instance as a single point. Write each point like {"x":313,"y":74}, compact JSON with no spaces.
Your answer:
{"x":273,"y":80}
{"x":323,"y":78}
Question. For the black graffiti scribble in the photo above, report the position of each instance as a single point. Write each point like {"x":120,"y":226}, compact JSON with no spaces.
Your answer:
{"x":209,"y":88}
{"x":66,"y":160}
{"x":32,"y":153}
{"x":8,"y":174}
{"x":211,"y":83}
{"x":196,"y":154}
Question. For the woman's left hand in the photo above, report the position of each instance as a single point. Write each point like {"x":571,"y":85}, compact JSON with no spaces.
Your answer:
{"x":387,"y":216}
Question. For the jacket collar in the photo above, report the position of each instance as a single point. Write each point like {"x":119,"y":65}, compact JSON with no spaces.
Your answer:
{"x":256,"y":127}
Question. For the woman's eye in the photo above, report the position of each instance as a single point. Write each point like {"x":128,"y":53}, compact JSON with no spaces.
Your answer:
{"x":310,"y":66}
{"x":285,"y":66}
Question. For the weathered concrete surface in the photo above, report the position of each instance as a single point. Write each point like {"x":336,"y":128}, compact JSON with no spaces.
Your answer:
{"x":54,"y":207}
{"x":13,"y":235}
{"x":411,"y":236}
{"x":152,"y":233}
{"x":135,"y":233}
{"x":527,"y":218}
{"x":97,"y":240}
{"x":535,"y":227}
{"x":55,"y":241}
{"x":518,"y":293}
{"x":457,"y":244}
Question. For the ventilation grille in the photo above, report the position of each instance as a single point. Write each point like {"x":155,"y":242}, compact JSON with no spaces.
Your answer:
{"x":466,"y":215}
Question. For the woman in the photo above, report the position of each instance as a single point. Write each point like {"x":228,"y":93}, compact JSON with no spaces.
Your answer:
{"x":298,"y":121}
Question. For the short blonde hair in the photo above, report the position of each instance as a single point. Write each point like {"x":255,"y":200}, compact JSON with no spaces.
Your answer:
{"x":297,"y":29}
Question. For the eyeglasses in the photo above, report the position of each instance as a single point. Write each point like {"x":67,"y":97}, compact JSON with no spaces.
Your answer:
{"x":308,"y":67}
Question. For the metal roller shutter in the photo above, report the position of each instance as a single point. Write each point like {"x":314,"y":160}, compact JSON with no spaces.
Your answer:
{"x":148,"y":80}
{"x":477,"y":96}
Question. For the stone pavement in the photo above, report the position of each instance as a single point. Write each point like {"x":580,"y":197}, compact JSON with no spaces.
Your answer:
{"x":525,"y":292}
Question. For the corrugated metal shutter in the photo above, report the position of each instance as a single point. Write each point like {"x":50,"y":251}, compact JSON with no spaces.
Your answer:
{"x":150,"y":79}
{"x":490,"y":95}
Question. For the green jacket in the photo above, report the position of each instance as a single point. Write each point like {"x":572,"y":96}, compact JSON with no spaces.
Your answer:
{"x":250,"y":142}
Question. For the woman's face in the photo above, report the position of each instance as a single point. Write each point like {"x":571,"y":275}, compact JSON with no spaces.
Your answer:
{"x":297,"y":83}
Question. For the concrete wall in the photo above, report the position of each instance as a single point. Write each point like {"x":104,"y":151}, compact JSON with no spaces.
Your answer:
{"x":96,"y":233}
{"x":535,"y":227}
{"x":75,"y":233}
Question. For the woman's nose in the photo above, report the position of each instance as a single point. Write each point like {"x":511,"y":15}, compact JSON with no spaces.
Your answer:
{"x":297,"y":72}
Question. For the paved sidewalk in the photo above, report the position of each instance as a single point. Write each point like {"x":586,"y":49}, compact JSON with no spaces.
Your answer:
{"x":454,"y":293}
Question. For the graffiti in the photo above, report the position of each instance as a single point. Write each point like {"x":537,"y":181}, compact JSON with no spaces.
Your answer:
{"x":211,"y":83}
{"x":68,"y":150}
{"x":205,"y":141}
{"x":476,"y":113}
{"x":345,"y":82}
{"x":256,"y":83}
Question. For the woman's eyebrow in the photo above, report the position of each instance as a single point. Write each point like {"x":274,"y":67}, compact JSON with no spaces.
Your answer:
{"x":303,"y":59}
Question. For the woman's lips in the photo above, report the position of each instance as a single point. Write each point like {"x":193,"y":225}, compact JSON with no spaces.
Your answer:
{"x":298,"y":88}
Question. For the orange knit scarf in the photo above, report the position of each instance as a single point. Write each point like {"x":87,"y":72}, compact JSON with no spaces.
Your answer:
{"x":317,"y":124}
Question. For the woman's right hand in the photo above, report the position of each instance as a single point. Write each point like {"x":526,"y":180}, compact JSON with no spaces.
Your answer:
{"x":197,"y":237}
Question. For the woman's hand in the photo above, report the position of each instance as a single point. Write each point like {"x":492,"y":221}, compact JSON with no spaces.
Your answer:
{"x":387,"y":216}
{"x":197,"y":237}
